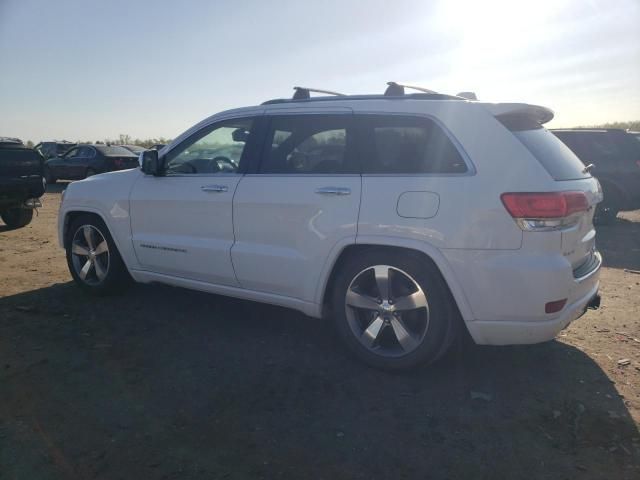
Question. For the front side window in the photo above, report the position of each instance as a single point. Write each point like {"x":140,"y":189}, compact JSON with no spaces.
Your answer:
{"x":308,"y":144}
{"x":72,"y":153}
{"x":217,"y":149}
{"x":85,"y":152}
{"x":406,"y":145}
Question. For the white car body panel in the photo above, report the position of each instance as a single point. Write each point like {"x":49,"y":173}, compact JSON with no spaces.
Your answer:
{"x":272,"y":238}
{"x":178,"y":228}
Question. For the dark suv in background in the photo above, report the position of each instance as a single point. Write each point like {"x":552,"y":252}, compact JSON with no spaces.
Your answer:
{"x":615,"y":155}
{"x":21,"y":182}
{"x":83,"y":161}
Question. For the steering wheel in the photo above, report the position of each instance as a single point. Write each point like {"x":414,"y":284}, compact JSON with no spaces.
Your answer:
{"x":224,"y":163}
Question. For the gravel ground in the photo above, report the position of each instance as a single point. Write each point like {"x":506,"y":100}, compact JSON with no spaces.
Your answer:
{"x":166,"y":383}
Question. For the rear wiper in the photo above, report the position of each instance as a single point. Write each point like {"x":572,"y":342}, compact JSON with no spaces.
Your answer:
{"x":588,"y":168}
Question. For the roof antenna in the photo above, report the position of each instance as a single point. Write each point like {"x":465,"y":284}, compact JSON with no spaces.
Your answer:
{"x":304,"y":93}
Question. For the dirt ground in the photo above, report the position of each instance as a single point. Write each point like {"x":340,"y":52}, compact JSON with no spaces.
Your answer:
{"x":166,"y":383}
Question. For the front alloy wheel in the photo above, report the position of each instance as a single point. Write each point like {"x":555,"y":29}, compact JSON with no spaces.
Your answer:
{"x":90,"y":255}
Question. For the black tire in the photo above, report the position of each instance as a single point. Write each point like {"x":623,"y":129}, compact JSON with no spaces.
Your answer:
{"x":116,"y":277}
{"x":17,"y":217}
{"x":443,"y":318}
{"x":48,"y":176}
{"x":607,"y":210}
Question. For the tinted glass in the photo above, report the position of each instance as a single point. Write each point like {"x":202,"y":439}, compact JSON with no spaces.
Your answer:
{"x":85,"y":152}
{"x":555,"y":156}
{"x":308,"y":144}
{"x":113,"y":151}
{"x":401,"y":144}
{"x":71,"y":153}
{"x":217,"y":149}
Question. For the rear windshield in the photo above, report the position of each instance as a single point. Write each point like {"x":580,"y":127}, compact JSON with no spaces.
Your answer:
{"x":555,"y":156}
{"x":114,"y":151}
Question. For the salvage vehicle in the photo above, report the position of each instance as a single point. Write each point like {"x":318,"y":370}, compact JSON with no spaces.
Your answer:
{"x":403,"y":217}
{"x":614,"y":157}
{"x":54,"y":149}
{"x":83,"y":161}
{"x":21,"y":182}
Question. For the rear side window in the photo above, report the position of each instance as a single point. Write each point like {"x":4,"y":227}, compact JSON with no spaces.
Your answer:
{"x":114,"y":151}
{"x":309,"y":144}
{"x":408,"y":145}
{"x":557,"y":159}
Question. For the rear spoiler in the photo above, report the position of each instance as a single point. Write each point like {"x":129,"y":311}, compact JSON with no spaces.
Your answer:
{"x":535,"y":112}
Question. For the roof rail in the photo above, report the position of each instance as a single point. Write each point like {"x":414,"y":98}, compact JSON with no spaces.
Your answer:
{"x":304,"y":93}
{"x":467,"y":95}
{"x":396,"y":89}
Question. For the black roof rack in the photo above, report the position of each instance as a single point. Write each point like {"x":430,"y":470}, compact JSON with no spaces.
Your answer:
{"x":396,"y":89}
{"x":304,"y":93}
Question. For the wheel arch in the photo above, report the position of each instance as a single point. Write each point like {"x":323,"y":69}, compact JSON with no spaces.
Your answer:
{"x":74,"y":213}
{"x":424,"y":250}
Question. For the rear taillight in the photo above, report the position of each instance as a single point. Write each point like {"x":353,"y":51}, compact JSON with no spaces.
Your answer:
{"x":118,"y":162}
{"x":638,"y":162}
{"x":545,"y":211}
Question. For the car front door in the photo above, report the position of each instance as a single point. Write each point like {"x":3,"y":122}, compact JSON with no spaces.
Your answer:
{"x":298,"y":205}
{"x":60,"y":166}
{"x":182,"y":222}
{"x":77,"y":166}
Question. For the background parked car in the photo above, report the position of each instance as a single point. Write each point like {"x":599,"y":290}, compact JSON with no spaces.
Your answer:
{"x":86,"y":160}
{"x":21,"y":182}
{"x":54,"y":149}
{"x":635,"y":134}
{"x":615,"y":155}
{"x":158,"y":146}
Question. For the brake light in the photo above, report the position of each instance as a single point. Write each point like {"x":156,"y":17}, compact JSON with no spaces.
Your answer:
{"x":118,"y":162}
{"x":545,"y":210}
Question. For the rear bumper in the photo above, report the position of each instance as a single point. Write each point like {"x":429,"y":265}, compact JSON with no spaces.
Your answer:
{"x":519,"y":333}
{"x":507,"y":293}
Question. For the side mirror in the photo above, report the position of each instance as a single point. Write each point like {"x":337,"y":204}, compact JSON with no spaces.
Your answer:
{"x":150,"y":163}
{"x":240,"y":135}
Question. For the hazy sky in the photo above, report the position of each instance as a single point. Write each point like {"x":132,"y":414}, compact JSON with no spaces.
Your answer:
{"x":90,"y":69}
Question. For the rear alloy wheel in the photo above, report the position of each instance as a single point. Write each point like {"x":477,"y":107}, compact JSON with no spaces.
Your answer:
{"x":93,"y":259}
{"x":17,"y":217}
{"x":394,"y":310}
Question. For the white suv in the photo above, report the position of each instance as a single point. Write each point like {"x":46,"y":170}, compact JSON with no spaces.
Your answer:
{"x":403,"y":217}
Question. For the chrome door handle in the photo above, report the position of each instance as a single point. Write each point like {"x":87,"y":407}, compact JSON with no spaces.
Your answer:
{"x":333,"y":191}
{"x":214,"y":188}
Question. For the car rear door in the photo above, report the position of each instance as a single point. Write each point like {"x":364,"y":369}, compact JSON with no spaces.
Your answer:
{"x":182,"y":222}
{"x":61,"y":166}
{"x":299,"y":205}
